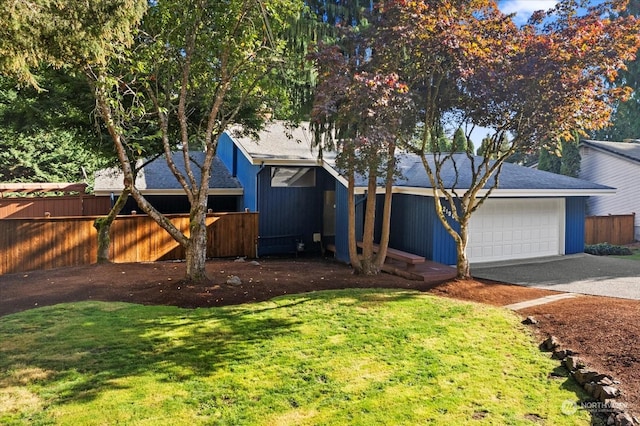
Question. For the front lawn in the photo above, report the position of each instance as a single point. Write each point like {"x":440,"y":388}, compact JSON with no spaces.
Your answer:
{"x":352,"y":357}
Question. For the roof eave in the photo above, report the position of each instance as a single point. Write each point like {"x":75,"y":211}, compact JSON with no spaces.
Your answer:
{"x":500,"y":193}
{"x":173,"y":192}
{"x":295,"y":162}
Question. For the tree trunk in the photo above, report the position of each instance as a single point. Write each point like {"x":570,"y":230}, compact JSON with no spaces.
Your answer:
{"x":369,"y":264}
{"x":386,"y":208}
{"x":463,"y":268}
{"x":354,"y":259}
{"x":196,"y":249}
{"x":103,"y":225}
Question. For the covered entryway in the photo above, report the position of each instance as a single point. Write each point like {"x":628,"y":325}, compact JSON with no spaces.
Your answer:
{"x":505,"y":229}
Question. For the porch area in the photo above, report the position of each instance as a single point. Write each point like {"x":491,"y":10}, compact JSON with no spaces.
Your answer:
{"x":428,"y":271}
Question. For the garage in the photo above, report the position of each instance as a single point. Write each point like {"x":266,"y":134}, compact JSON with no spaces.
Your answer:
{"x":504,"y":229}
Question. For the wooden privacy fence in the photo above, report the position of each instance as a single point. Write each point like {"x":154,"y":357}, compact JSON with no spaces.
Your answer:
{"x":40,"y":243}
{"x":78,"y":205}
{"x":612,"y":229}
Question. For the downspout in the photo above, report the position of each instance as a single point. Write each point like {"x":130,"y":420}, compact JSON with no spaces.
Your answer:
{"x":366,"y":195}
{"x":262,"y":167}
{"x":258,"y":203}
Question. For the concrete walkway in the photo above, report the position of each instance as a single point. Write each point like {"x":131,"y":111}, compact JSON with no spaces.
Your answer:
{"x":541,"y":301}
{"x":581,"y":273}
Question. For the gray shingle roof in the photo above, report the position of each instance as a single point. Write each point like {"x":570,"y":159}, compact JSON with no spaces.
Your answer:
{"x":156,"y":176}
{"x":628,"y":150}
{"x":279,"y":142}
{"x":512,"y":176}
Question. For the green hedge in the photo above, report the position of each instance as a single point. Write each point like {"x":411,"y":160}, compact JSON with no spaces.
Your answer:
{"x":606,"y":249}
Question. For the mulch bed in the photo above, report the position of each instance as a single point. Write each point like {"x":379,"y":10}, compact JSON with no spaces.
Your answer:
{"x":604,"y":331}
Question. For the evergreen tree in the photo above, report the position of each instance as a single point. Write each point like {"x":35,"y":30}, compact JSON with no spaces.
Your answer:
{"x":49,"y":135}
{"x":460,"y":142}
{"x":549,"y":161}
{"x":570,"y":164}
{"x":563,"y":159}
{"x":625,"y":119}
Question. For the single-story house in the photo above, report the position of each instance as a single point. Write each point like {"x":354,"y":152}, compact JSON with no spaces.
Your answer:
{"x":615,"y":164}
{"x":303,"y":198}
{"x":302,"y":201}
{"x":164,"y":192}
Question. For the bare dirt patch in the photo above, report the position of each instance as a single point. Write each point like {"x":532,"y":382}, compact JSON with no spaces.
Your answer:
{"x":604,"y":331}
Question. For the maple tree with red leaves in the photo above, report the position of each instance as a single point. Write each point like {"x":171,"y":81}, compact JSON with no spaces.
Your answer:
{"x":362,"y":115}
{"x":467,"y":64}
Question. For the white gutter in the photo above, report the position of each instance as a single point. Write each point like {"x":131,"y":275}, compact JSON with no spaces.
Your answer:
{"x":497,"y":193}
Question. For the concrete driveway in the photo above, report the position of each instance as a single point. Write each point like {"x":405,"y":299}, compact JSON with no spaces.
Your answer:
{"x":580,"y":273}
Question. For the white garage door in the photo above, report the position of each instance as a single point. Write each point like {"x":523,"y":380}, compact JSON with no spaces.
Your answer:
{"x":503,"y":229}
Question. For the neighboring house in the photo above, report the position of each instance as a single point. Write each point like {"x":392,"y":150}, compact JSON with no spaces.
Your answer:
{"x":303,"y":199}
{"x":164,"y":192}
{"x":615,"y":164}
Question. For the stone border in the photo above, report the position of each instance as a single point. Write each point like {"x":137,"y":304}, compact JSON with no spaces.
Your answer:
{"x":603,"y":388}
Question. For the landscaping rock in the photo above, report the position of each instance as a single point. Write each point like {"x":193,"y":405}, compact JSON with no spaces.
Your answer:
{"x":530,"y":321}
{"x":234,"y":280}
{"x":573,"y":363}
{"x":584,"y":375}
{"x":606,"y":381}
{"x":621,"y":419}
{"x":590,"y":388}
{"x":551,"y":343}
{"x":559,"y":354}
{"x":240,"y":259}
{"x":255,"y":263}
{"x":603,"y":393}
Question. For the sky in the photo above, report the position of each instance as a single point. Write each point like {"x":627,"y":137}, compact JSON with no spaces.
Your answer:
{"x":524,"y":8}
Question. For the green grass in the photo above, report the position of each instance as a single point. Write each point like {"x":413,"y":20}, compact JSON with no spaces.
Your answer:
{"x":352,"y":357}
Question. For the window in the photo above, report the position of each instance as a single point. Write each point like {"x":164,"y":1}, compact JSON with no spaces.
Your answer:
{"x":293,"y":177}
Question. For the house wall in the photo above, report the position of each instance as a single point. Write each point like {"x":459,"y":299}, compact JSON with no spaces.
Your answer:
{"x":291,"y":214}
{"x":575,"y":212}
{"x":611,"y":170}
{"x":416,"y":228}
{"x":342,"y":223}
{"x":412,"y":224}
{"x":241,"y":168}
{"x":341,"y":240}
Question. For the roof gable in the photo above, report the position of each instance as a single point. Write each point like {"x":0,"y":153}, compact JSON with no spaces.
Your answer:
{"x":627,"y":150}
{"x":157,"y":177}
{"x":280,"y":143}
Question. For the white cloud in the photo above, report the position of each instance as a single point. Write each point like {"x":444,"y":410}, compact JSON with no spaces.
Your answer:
{"x":524,"y":8}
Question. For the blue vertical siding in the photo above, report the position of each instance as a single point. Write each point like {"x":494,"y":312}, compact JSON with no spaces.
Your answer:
{"x":575,"y":212}
{"x":444,"y":246}
{"x":240,"y":167}
{"x":411,"y":224}
{"x":290,"y":212}
{"x":247,"y":174}
{"x":415,"y":228}
{"x":225,"y":149}
{"x":342,"y":223}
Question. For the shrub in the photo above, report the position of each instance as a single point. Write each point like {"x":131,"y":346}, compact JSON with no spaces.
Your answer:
{"x":606,"y":249}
